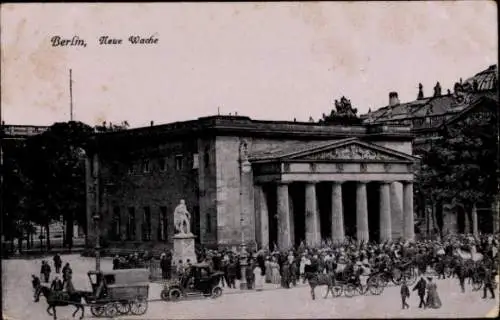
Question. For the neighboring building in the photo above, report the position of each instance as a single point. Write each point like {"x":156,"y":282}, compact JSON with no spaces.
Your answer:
{"x":426,"y":115}
{"x":252,"y":181}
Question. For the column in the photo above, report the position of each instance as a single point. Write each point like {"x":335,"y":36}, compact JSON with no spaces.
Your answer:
{"x":313,"y":234}
{"x":361,"y":213}
{"x":408,"y":224}
{"x":284,"y":230}
{"x":291,"y":211}
{"x":263,"y":216}
{"x":475,"y":229}
{"x":385,"y":212}
{"x":338,"y":234}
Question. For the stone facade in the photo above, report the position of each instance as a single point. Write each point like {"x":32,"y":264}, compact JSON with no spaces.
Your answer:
{"x":225,"y":168}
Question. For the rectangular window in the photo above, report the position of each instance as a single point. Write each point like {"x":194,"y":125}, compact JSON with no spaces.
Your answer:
{"x":178,"y":162}
{"x":146,"y":225}
{"x":145,"y":166}
{"x":162,"y":225}
{"x":131,"y":224}
{"x":208,"y":223}
{"x":196,"y":162}
{"x":116,"y":223}
{"x":162,"y":164}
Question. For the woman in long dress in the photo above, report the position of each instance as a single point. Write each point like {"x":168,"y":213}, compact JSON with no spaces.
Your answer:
{"x":275,"y":272}
{"x":267,"y":265}
{"x":433,"y":300}
{"x":259,"y":279}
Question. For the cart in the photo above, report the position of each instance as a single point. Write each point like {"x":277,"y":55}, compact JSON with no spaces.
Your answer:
{"x":119,"y":292}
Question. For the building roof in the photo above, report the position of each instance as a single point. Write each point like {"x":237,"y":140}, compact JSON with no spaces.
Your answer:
{"x":486,"y":79}
{"x":448,"y":104}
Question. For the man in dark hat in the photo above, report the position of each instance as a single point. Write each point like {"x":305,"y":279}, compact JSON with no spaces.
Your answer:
{"x":420,"y":288}
{"x":405,"y":293}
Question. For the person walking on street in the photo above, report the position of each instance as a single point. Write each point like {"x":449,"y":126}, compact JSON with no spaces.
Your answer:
{"x":45,"y":271}
{"x":420,"y":288}
{"x":405,"y":294}
{"x":57,"y":262}
{"x":488,"y":283}
{"x":35,"y":282}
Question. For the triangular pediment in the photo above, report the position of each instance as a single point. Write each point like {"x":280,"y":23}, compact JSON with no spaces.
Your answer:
{"x":350,"y":150}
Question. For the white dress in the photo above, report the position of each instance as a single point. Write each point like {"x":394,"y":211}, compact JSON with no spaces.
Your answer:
{"x":259,"y":279}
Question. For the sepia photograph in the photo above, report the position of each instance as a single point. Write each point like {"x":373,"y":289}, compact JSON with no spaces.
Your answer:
{"x":249,"y":160}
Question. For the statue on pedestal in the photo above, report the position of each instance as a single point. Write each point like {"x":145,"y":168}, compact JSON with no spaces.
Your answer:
{"x":182,"y":219}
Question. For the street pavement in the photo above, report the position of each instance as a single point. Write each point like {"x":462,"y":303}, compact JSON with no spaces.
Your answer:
{"x":273,"y":302}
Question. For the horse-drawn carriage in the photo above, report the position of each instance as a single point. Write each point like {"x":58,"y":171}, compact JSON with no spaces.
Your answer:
{"x":119,"y":292}
{"x":197,"y":280}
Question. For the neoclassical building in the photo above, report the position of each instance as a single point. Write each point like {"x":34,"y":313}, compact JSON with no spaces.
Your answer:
{"x":264,"y":183}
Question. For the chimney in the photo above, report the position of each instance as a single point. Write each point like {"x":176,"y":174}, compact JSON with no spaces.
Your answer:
{"x":152,"y":123}
{"x":393,"y":99}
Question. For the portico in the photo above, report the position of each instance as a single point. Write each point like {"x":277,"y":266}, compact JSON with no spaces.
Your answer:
{"x":346,"y":184}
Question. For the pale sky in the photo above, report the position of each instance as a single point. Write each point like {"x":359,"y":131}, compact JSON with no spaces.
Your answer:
{"x":272,"y":61}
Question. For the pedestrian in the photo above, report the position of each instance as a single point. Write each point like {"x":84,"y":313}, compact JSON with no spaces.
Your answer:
{"x":35,"y":282}
{"x":65,"y":271}
{"x":259,"y":277}
{"x":405,"y":294}
{"x":165,"y":267}
{"x":57,"y":262}
{"x":420,"y":288}
{"x":433,"y":300}
{"x":116,"y":262}
{"x":249,"y":275}
{"x":45,"y":270}
{"x":488,"y":283}
{"x":231,"y":273}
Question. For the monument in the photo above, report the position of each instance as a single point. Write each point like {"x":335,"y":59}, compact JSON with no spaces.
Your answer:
{"x":184,"y":248}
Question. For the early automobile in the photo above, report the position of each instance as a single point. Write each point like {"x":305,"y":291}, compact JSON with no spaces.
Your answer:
{"x":198,"y":279}
{"x":119,"y":292}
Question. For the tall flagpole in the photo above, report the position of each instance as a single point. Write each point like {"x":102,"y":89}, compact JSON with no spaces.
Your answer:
{"x":70,"y":96}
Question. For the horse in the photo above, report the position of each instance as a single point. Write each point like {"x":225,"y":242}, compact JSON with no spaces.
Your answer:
{"x":320,"y":279}
{"x":61,"y":299}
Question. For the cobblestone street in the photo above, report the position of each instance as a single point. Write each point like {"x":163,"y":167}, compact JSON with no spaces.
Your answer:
{"x":271,"y":303}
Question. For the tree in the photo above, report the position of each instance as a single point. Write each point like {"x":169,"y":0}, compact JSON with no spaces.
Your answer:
{"x":53,"y":163}
{"x":460,"y":167}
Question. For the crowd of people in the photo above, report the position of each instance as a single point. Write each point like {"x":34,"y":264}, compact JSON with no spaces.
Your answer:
{"x":459,"y":256}
{"x":454,"y":256}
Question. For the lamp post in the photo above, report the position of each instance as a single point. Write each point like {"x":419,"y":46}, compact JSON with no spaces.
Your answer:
{"x":245,"y":168}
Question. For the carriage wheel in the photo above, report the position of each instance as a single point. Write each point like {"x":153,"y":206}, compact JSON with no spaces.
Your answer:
{"x":350,"y":290}
{"x":97,"y":310}
{"x":337,"y":291}
{"x":216,"y":292}
{"x":110,"y":310}
{"x":164,"y":295}
{"x":123,"y":307}
{"x":174,"y":294}
{"x":139,"y":306}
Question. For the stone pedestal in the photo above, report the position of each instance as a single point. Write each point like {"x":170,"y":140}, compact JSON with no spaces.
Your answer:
{"x":184,"y":248}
